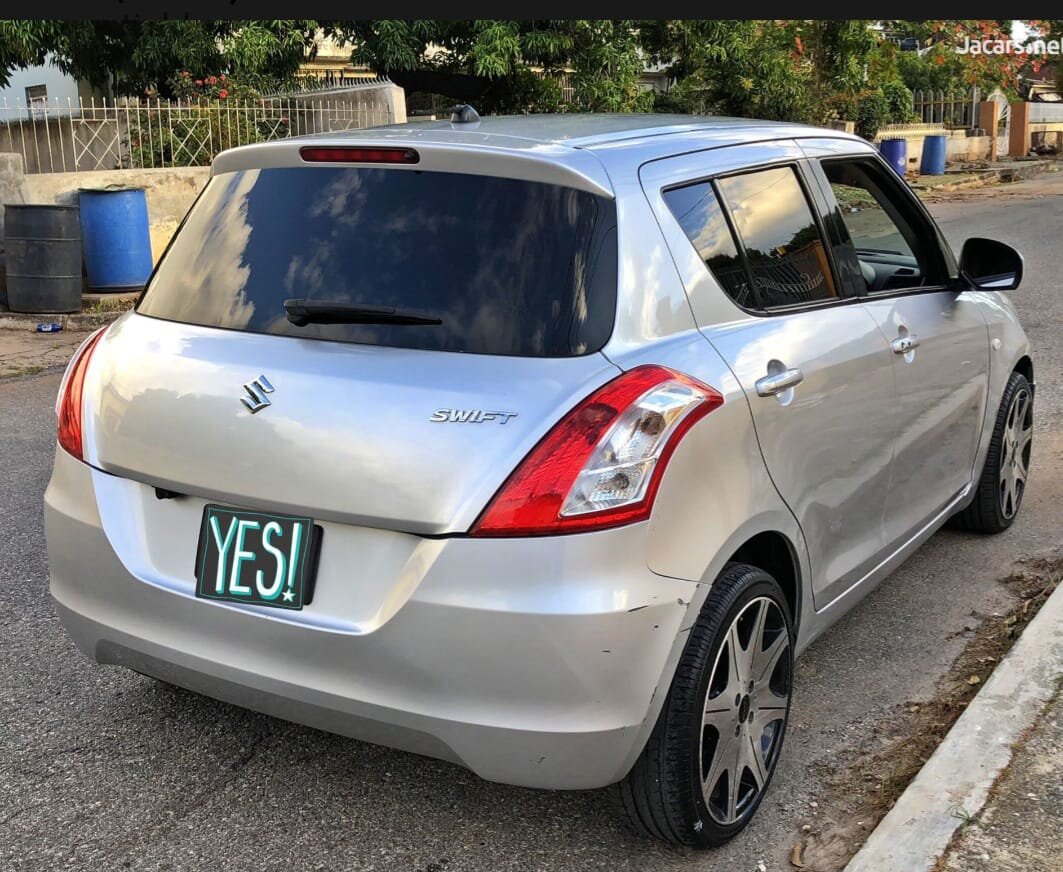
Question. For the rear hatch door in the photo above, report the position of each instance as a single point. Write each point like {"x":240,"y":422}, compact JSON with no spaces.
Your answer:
{"x":210,"y":389}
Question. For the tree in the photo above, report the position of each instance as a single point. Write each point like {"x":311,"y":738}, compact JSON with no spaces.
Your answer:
{"x":745,"y":68}
{"x":507,"y":65}
{"x":1053,"y":28}
{"x":942,"y":68}
{"x":138,"y":56}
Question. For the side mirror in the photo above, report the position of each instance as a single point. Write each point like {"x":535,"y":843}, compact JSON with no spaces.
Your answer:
{"x":990,"y":265}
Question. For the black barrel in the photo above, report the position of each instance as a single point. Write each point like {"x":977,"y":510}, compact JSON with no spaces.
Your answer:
{"x":43,"y":258}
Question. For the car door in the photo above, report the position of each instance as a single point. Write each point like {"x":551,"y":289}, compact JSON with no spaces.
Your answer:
{"x":813,"y":363}
{"x":937,"y":334}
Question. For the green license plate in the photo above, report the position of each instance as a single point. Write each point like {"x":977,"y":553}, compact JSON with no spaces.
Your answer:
{"x":255,"y":557}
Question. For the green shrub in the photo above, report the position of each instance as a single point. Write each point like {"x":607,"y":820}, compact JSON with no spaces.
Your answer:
{"x":899,"y":99}
{"x":872,"y":111}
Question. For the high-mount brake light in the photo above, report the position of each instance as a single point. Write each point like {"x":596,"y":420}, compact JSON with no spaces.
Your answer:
{"x":70,"y":403}
{"x":358,"y":154}
{"x":600,"y":466}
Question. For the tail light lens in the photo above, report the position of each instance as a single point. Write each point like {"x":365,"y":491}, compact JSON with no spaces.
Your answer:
{"x":68,"y":405}
{"x":601,"y":465}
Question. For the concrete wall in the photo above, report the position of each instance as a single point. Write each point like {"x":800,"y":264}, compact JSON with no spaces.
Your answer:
{"x":358,"y":105}
{"x":12,"y":185}
{"x":170,"y":193}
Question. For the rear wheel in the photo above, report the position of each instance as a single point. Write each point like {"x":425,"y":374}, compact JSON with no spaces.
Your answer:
{"x":713,"y":751}
{"x":1007,"y":464}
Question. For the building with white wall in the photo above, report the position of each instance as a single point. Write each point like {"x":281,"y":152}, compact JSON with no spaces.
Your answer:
{"x":41,"y":91}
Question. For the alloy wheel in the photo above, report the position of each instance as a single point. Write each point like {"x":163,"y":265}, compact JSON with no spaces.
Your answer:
{"x":745,"y":710}
{"x":1015,"y":453}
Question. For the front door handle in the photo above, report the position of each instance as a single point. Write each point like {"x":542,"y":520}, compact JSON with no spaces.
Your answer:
{"x":770,"y":385}
{"x":904,"y":344}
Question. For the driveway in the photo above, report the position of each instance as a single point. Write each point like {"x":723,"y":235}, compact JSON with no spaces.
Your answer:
{"x":103,"y":769}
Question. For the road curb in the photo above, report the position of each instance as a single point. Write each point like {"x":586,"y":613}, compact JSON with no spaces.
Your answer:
{"x":954,"y":783}
{"x":1019,"y":171}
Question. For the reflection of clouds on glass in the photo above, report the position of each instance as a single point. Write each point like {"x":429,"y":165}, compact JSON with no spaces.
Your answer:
{"x":207,"y":284}
{"x":713,"y":232}
{"x":768,"y":207}
{"x":306,"y":275}
{"x":341,"y":199}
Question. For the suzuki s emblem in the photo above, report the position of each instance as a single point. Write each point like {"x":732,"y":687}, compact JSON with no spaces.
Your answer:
{"x":256,"y":394}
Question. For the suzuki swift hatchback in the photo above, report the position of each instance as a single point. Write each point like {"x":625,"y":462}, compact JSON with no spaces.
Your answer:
{"x":540,"y":445}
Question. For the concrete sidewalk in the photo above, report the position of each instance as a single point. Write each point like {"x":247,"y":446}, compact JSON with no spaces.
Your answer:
{"x":1020,"y":828}
{"x":991,"y":795}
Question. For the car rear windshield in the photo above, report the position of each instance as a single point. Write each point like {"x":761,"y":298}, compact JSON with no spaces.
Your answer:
{"x":508,"y":267}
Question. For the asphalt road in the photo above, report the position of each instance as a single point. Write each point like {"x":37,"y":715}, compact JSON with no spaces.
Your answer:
{"x":103,"y":769}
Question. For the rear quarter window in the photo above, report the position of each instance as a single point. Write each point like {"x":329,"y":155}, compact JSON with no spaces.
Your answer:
{"x":509,"y":267}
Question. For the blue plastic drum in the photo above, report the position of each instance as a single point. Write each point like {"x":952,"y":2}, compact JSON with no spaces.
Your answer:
{"x":895,"y":151}
{"x":933,"y":162}
{"x":115,"y":238}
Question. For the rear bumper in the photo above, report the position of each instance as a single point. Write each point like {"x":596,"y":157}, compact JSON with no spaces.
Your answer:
{"x":535,"y":662}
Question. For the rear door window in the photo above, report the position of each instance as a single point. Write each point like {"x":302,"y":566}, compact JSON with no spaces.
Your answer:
{"x":781,"y":240}
{"x":509,"y":267}
{"x":757,"y":235}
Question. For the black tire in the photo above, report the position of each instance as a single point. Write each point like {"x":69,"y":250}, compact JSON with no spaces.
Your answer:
{"x":986,"y":512}
{"x":662,"y":795}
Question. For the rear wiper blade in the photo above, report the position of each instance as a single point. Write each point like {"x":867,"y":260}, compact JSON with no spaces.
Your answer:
{"x":302,"y":312}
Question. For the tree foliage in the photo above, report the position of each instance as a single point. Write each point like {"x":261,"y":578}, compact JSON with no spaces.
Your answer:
{"x":941,"y":68}
{"x":794,"y":69}
{"x":508,"y":65}
{"x":138,"y":56}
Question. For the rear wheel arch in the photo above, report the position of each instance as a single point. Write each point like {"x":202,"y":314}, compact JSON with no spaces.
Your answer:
{"x":1024,"y":365}
{"x":775,"y":554}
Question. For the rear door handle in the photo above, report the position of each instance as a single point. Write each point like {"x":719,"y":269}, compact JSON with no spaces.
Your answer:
{"x":770,"y":385}
{"x":904,"y":344}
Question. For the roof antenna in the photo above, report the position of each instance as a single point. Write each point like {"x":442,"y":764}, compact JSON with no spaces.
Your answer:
{"x":463,"y":113}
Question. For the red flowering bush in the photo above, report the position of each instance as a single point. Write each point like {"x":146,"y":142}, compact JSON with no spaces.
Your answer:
{"x":205,"y":89}
{"x":207,"y":115}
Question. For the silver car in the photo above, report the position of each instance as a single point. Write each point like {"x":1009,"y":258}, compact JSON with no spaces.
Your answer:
{"x":542,"y":445}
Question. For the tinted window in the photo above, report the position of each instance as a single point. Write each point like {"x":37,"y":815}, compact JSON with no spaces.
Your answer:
{"x":786,"y":254}
{"x":510,"y":267}
{"x":698,"y":212}
{"x":883,"y":243}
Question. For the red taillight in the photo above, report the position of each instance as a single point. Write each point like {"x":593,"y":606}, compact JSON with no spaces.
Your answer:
{"x":601,"y":465}
{"x":71,"y":393}
{"x":358,"y":154}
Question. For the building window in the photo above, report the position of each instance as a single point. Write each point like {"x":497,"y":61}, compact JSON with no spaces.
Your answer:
{"x":37,"y":99}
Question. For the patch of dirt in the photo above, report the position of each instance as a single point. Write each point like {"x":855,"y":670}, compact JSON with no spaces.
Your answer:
{"x":867,"y":785}
{"x":105,"y":306}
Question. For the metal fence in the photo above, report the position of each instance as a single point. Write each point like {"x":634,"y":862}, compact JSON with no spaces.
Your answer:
{"x":955,"y":111}
{"x":61,"y":136}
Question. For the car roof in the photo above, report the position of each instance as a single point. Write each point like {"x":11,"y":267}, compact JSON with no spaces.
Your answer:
{"x":573,"y":149}
{"x":587,"y":130}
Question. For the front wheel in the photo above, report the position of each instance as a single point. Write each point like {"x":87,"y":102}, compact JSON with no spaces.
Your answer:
{"x":1007,"y":465}
{"x":715,"y":746}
